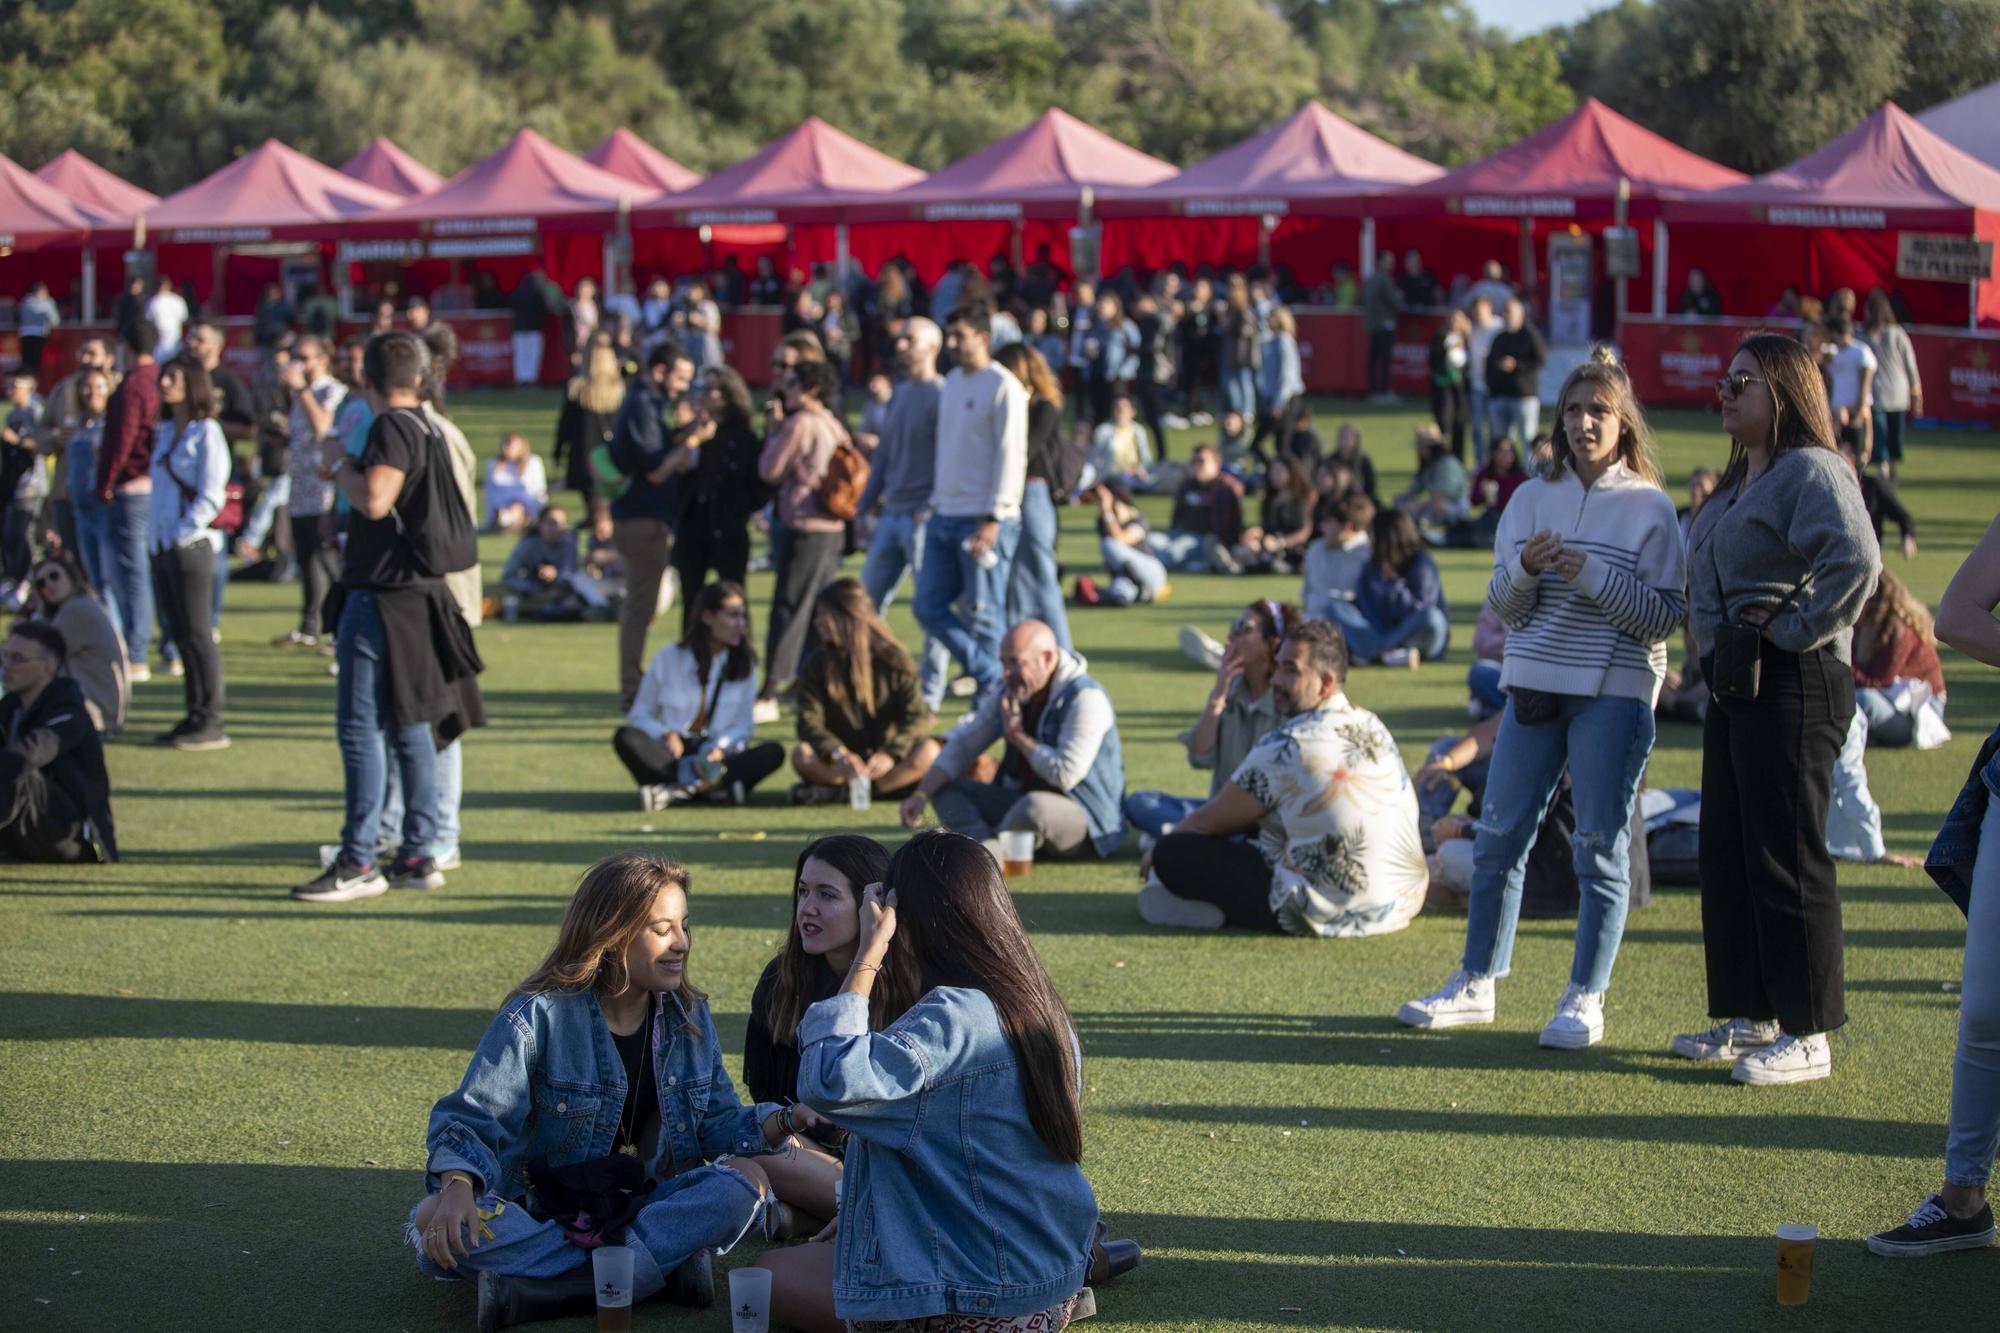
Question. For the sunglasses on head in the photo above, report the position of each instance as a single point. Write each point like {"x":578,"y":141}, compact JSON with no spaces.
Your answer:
{"x":1734,"y":383}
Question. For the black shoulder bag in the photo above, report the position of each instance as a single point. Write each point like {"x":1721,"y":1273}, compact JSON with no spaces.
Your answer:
{"x":1739,"y":650}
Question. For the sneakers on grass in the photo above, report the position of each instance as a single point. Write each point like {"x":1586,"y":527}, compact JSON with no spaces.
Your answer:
{"x":1200,"y":649}
{"x":415,"y":872}
{"x":1932,"y":1230}
{"x":1465,"y":999}
{"x":342,"y":882}
{"x":1579,"y":1020}
{"x":1728,"y":1040}
{"x":1789,"y":1059}
{"x":1161,"y":906}
{"x":817,"y":793}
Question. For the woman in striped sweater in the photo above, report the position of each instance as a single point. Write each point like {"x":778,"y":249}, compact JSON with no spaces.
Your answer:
{"x":1590,"y":579}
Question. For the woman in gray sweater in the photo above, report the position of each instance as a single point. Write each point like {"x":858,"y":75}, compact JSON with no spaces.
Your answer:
{"x":96,"y":656}
{"x":1785,"y":548}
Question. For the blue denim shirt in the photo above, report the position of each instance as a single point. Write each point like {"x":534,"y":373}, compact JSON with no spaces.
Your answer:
{"x":546,"y":1081}
{"x":950,"y":1201}
{"x":1280,"y":377}
{"x":1957,"y":845}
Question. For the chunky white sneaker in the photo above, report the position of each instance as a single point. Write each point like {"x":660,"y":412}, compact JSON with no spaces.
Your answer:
{"x":1789,"y":1059}
{"x":1465,"y":998}
{"x":653,"y":796}
{"x":1727,"y":1040}
{"x":1579,"y":1020}
{"x":763,"y":711}
{"x":1200,"y":649}
{"x":1161,"y":906}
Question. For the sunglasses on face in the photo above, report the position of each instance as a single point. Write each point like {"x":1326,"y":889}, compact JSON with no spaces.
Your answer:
{"x":1733,"y":384}
{"x":48,"y":578}
{"x":1246,"y":624}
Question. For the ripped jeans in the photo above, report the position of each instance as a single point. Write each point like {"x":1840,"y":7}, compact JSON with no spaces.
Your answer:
{"x":708,"y":1208}
{"x":1604,"y":742}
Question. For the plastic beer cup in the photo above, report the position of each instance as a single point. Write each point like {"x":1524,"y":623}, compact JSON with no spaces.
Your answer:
{"x":611,"y":1269}
{"x":1017,"y":853}
{"x":750,"y":1300}
{"x":1795,"y":1262}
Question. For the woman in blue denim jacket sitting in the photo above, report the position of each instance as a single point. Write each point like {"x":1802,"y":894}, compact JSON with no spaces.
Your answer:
{"x":608,"y":1048}
{"x":951,"y":1061}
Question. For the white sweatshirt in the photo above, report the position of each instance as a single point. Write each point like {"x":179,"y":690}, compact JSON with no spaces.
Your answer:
{"x":1606,"y":633}
{"x":982,"y":445}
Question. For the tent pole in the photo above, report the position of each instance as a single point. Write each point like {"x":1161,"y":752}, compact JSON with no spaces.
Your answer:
{"x":1266,"y":224}
{"x":1659,"y":268}
{"x":1014,"y":245}
{"x":220,"y":256}
{"x":1528,"y":284}
{"x":89,"y":283}
{"x":1367,"y":268}
{"x":1972,"y":306}
{"x":1618,"y":295}
{"x":840,"y":256}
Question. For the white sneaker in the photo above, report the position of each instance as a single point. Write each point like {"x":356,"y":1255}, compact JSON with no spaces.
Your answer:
{"x":1466,"y":998}
{"x":653,"y":796}
{"x":1161,"y":906}
{"x":1173,"y":421}
{"x":963,"y":687}
{"x":1579,"y":1020}
{"x":1789,"y":1059}
{"x":1199,"y":649}
{"x":764,"y":710}
{"x":1727,"y":1040}
{"x":1404,"y":659}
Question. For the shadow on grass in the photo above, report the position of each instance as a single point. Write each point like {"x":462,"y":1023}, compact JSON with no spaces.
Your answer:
{"x":1360,"y":1041}
{"x":47,"y":1017}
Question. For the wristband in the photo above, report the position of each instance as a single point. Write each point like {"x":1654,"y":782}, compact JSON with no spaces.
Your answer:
{"x":450,"y":1176}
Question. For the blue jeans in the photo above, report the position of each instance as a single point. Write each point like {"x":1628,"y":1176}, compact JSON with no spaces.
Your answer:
{"x":1136,"y":573}
{"x":131,"y":580}
{"x":1186,"y":552}
{"x":94,"y":548}
{"x":1427,"y":630}
{"x":1516,"y":418}
{"x":1150,"y":812}
{"x":365,"y":721}
{"x":898,"y":544}
{"x":450,"y":793}
{"x":1853,"y":820}
{"x":1239,"y":390}
{"x":1434,"y":803}
{"x":1034,"y":587}
{"x":949,"y":572}
{"x":1482,"y":683}
{"x":1605,"y":742}
{"x":1482,"y":423}
{"x":1888,"y":726}
{"x":1975,"y":1071}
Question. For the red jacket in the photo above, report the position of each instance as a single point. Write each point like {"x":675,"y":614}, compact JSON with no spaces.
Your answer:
{"x":126,"y":451}
{"x":1906,"y":656}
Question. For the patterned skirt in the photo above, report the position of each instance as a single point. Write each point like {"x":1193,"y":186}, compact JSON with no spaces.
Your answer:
{"x":1042,"y":1321}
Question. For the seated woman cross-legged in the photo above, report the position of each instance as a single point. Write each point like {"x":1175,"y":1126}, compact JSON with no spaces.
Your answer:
{"x":605,"y":1064}
{"x":1398,"y":615}
{"x":688,"y":736}
{"x":952,"y":1062}
{"x":862,"y":716}
{"x":1898,"y":681}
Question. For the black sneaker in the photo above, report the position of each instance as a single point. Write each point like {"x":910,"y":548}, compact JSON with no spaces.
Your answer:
{"x":1932,"y":1230}
{"x":415,"y":872}
{"x":815,"y":793}
{"x":342,"y":882}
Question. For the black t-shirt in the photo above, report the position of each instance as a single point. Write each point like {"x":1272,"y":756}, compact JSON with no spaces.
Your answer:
{"x":235,"y":405}
{"x":1044,"y":440}
{"x":642,"y":1085}
{"x":771,"y":1062}
{"x":377,"y":556}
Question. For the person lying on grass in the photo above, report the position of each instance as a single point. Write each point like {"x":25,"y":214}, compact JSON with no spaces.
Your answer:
{"x":604,"y":1066}
{"x":952,"y":1062}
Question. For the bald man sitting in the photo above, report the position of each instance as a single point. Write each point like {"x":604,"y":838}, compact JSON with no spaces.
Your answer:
{"x":1062,"y":776}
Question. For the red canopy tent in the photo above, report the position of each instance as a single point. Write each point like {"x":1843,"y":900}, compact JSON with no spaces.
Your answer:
{"x":801,"y":177}
{"x":1565,"y":176}
{"x":1020,"y":194}
{"x":44,"y":235}
{"x":110,"y":201}
{"x":387,"y":167}
{"x":625,"y":154}
{"x":1835,"y":217}
{"x":1293,"y":194}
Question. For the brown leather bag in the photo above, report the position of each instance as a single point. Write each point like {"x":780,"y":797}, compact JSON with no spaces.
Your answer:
{"x":839,"y":491}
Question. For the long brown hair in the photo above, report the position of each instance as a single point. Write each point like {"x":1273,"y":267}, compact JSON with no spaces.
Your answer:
{"x":1602,"y":372}
{"x":856,"y":642}
{"x":861,"y":862}
{"x":1030,"y":367}
{"x":601,"y":387}
{"x":1891,"y":610}
{"x":743,"y":657}
{"x":956,"y":926}
{"x":199,"y":390}
{"x":1800,"y":417}
{"x":612,"y":903}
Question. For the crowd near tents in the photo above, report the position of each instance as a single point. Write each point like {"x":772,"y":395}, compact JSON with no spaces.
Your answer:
{"x":1598,"y":220}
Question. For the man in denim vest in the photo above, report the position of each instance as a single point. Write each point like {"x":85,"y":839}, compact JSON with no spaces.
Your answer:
{"x":1062,"y":775}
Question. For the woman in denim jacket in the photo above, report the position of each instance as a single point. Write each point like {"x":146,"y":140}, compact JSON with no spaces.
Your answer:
{"x":563,"y":1074}
{"x":951,"y":1061}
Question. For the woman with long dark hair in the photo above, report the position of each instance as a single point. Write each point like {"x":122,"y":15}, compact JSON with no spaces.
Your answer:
{"x":724,"y":491}
{"x":862,"y":716}
{"x":1034,"y":587}
{"x":590,"y":407}
{"x":689,"y":733}
{"x":1285,"y":520}
{"x":826,"y":928}
{"x":64,"y":598}
{"x":1398,"y":616}
{"x":190,"y":471}
{"x":953,"y":1064}
{"x":1780,"y":562}
{"x":605,"y":1062}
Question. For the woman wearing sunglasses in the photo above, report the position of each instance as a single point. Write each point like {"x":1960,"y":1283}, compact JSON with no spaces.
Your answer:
{"x":1780,"y":562}
{"x":96,"y":658}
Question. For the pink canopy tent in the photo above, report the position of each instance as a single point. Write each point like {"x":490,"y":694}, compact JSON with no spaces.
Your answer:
{"x":625,"y":154}
{"x":1834,"y":219}
{"x":107,"y":196}
{"x":387,"y":167}
{"x":748,"y":209}
{"x":1293,"y":194}
{"x":44,"y":234}
{"x":110,"y":201}
{"x":1971,"y":122}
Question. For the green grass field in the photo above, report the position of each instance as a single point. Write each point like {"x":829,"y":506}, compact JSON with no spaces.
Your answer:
{"x":212,"y":1099}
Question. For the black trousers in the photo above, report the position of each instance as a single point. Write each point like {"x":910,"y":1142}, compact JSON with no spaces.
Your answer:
{"x":17,"y":538}
{"x":1150,"y":394}
{"x":651,"y":766}
{"x":38,"y":821}
{"x":1451,"y":408}
{"x":1381,"y":357}
{"x":1770,"y":909}
{"x":1228,"y":872}
{"x":183,"y":588}
{"x":319,"y":566}
{"x":701,"y":550}
{"x":1274,"y":425}
{"x":31,"y":353}
{"x":807,"y":562}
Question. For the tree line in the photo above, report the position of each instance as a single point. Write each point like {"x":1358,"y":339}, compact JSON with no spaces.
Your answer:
{"x":165,"y":91}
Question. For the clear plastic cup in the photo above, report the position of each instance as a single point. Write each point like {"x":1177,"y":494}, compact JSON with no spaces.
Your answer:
{"x":750,"y":1300}
{"x":1017,"y":853}
{"x":611,"y":1270}
{"x":1795,"y":1262}
{"x":858,"y":792}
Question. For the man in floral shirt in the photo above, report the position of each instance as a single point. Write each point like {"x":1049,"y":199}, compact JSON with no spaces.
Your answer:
{"x":1337,"y":850}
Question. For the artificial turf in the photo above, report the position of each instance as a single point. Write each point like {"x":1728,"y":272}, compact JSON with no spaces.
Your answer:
{"x":212,"y":1099}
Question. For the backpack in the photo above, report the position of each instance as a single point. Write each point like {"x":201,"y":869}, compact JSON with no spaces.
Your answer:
{"x":1071,"y":451}
{"x":448,"y":542}
{"x":839,"y":491}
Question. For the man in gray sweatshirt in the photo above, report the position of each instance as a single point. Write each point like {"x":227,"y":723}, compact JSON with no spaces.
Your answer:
{"x":900,"y":478}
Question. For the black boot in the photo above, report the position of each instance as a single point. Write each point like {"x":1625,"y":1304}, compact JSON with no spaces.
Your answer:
{"x":1111,"y":1258}
{"x":506,"y":1301}
{"x":693,"y":1283}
